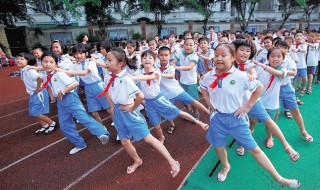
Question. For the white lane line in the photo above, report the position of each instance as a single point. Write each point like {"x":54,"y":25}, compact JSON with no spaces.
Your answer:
{"x":13,"y":101}
{"x":13,"y":113}
{"x":102,"y":162}
{"x":22,"y":128}
{"x":193,"y":168}
{"x":40,"y":150}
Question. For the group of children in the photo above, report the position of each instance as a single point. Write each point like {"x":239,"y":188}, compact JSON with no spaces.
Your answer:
{"x":238,"y":78}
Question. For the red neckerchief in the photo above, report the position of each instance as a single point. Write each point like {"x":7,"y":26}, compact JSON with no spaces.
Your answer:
{"x":241,"y":66}
{"x":270,"y":82}
{"x":113,"y":76}
{"x":47,"y":82}
{"x":297,"y":44}
{"x":215,"y":82}
{"x":148,"y":81}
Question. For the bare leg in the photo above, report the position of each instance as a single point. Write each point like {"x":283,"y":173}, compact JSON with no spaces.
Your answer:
{"x":97,"y":117}
{"x":223,"y":157}
{"x":159,"y":133}
{"x":200,"y":107}
{"x":299,"y":120}
{"x":131,"y":150}
{"x":45,"y":119}
{"x":188,"y":117}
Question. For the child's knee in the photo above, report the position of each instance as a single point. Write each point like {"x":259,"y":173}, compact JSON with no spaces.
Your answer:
{"x":125,"y":142}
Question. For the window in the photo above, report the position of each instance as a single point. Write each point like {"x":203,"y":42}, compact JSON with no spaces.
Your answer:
{"x":252,"y":29}
{"x":65,"y":37}
{"x":118,"y":34}
{"x":265,"y":5}
{"x":223,"y":5}
{"x":168,"y":31}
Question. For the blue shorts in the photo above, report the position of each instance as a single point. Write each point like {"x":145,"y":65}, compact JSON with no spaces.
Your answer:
{"x":222,"y":125}
{"x":184,"y":97}
{"x":302,"y":73}
{"x":192,"y":90}
{"x":39,"y":103}
{"x":288,"y":97}
{"x":259,"y":112}
{"x":311,"y":70}
{"x":100,"y":71}
{"x":93,"y":101}
{"x":160,"y":107}
{"x":130,"y":124}
{"x":272,"y":113}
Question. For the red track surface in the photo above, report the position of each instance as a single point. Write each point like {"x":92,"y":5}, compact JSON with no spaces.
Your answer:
{"x":29,"y":161}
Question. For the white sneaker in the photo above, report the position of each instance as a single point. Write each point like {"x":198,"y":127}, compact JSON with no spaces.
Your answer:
{"x":104,"y":139}
{"x":76,"y":150}
{"x":112,"y":124}
{"x":118,"y":139}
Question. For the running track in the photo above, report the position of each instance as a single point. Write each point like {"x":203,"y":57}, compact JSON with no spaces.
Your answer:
{"x":29,"y":161}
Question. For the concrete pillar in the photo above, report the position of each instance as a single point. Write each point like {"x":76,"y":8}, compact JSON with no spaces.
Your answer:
{"x":232,"y":26}
{"x":190,"y":26}
{"x":301,"y":24}
{"x":268,"y":24}
{"x":143,"y":29}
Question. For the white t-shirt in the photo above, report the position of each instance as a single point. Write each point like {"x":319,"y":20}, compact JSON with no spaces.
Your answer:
{"x":262,"y":57}
{"x":227,"y":98}
{"x":270,"y":96}
{"x":312,"y":55}
{"x":290,"y":65}
{"x":188,"y":77}
{"x":212,"y":37}
{"x":29,"y":78}
{"x":65,"y":62}
{"x":123,"y":89}
{"x":152,"y":90}
{"x":61,"y":80}
{"x":293,"y":55}
{"x":170,"y":87}
{"x":302,"y":56}
{"x":92,"y":76}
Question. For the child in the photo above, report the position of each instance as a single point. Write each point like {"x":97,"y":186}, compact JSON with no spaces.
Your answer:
{"x":64,"y":60}
{"x":93,"y":85}
{"x":173,"y":46}
{"x":188,"y":72}
{"x":311,"y":59}
{"x":38,"y":101}
{"x":152,"y":44}
{"x":69,"y":106}
{"x":244,"y":51}
{"x":124,"y":97}
{"x":301,"y":49}
{"x":287,"y":94}
{"x":37,"y":53}
{"x":224,"y":85}
{"x":267,"y":44}
{"x":105,"y":47}
{"x":156,"y":104}
{"x":170,"y":86}
{"x":206,"y":55}
{"x":212,"y":36}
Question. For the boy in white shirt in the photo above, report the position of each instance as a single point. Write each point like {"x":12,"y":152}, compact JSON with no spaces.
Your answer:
{"x":311,"y":59}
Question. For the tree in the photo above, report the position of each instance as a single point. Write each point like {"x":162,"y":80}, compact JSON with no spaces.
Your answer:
{"x":160,"y":8}
{"x":243,"y":7}
{"x":288,"y":6}
{"x":308,"y":8}
{"x":203,"y":7}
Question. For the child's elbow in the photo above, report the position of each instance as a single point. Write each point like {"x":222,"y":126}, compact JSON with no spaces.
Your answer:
{"x":76,"y":84}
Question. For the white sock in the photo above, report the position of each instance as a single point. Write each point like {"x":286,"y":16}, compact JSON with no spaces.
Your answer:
{"x":45,"y":126}
{"x":53,"y":124}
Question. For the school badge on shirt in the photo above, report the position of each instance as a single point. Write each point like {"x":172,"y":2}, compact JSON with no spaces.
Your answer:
{"x":232,"y":82}
{"x":55,"y":79}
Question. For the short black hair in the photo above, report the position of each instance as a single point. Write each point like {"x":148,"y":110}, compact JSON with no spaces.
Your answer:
{"x":31,"y":60}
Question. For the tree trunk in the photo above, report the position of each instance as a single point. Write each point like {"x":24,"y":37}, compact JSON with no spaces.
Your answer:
{"x":205,"y":23}
{"x":285,"y":18}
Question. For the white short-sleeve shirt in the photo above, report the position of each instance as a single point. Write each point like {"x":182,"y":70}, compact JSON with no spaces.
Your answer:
{"x":122,"y":90}
{"x":188,"y":77}
{"x":170,"y":87}
{"x":270,"y":96}
{"x":302,"y":56}
{"x":152,"y":90}
{"x":29,"y":78}
{"x":227,"y":96}
{"x":293,"y":55}
{"x":61,"y":80}
{"x":262,"y":57}
{"x":290,"y":65}
{"x":92,"y":76}
{"x":312,"y":55}
{"x":65,"y":62}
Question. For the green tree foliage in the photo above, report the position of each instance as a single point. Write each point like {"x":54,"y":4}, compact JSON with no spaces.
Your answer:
{"x":245,"y":10}
{"x":159,"y":8}
{"x":10,"y":11}
{"x":203,"y":7}
{"x":288,"y":8}
{"x":308,"y":8}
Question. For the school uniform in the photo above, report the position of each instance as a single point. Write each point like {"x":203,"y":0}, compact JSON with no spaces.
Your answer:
{"x":287,"y":92}
{"x":93,"y":85}
{"x":171,"y":89}
{"x":312,"y":58}
{"x":205,"y":66}
{"x":123,"y":91}
{"x":188,"y":79}
{"x":65,"y":62}
{"x":262,"y":56}
{"x":157,"y":105}
{"x":38,"y":103}
{"x":226,"y":98}
{"x":302,"y":65}
{"x":70,"y":106}
{"x":100,"y":57}
{"x":257,"y":111}
{"x":271,"y":90}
